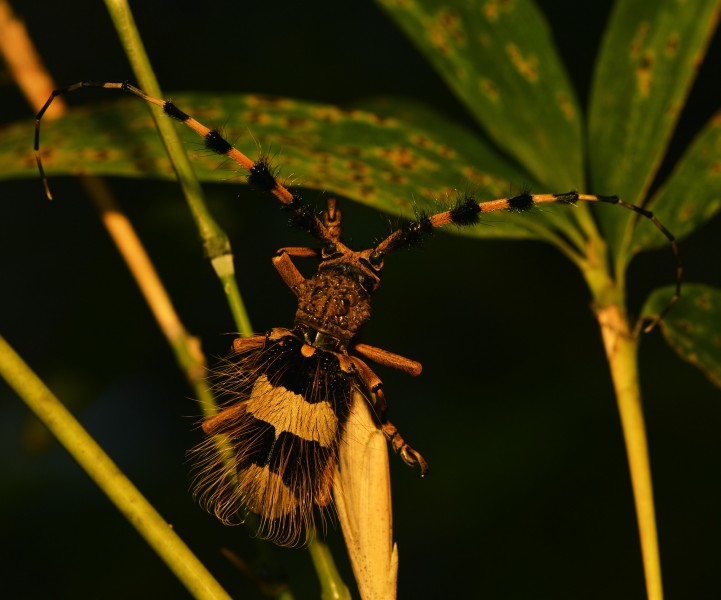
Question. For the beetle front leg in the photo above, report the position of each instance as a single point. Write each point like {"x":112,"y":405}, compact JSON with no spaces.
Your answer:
{"x":287,"y":270}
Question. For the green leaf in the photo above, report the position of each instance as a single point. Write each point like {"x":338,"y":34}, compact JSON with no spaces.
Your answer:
{"x":692,"y":195}
{"x":650,"y":55}
{"x":380,"y":161}
{"x":691,"y":327}
{"x":499,"y":59}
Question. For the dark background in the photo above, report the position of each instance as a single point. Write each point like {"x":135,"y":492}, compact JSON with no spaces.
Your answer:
{"x":529,"y":494}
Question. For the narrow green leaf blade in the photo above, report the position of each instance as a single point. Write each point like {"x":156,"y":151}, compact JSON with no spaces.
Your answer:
{"x":649,"y":59}
{"x":692,"y":195}
{"x":691,"y":327}
{"x":500,"y":60}
{"x":380,"y":161}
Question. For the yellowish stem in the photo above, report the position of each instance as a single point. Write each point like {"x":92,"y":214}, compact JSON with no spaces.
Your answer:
{"x":33,"y":79}
{"x":187,"y":348}
{"x":104,"y":472}
{"x":622,"y":351}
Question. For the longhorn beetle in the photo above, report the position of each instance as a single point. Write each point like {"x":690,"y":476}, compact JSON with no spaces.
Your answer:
{"x":290,"y":390}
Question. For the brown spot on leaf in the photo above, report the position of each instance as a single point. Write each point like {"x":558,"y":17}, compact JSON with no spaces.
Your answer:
{"x":327,"y":114}
{"x":438,"y":39}
{"x":367,"y":191}
{"x":315,"y":183}
{"x":476,"y":176}
{"x":27,"y":160}
{"x":687,"y":213}
{"x":292,"y":122}
{"x":393,"y":177}
{"x":360,"y":178}
{"x":566,"y":106}
{"x":639,"y":39}
{"x":270,"y":102}
{"x":489,"y":89}
{"x":421,"y":141}
{"x":526,"y":66}
{"x":644,"y":74}
{"x":703,"y":302}
{"x":493,"y":9}
{"x":446,"y":31}
{"x":101,"y":154}
{"x":255,"y":117}
{"x":358,"y":167}
{"x":684,"y":325}
{"x":400,"y":156}
{"x":452,"y":24}
{"x":320,"y":158}
{"x":350,"y":151}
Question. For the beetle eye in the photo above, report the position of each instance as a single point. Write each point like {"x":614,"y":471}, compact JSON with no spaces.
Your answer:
{"x":376,"y":260}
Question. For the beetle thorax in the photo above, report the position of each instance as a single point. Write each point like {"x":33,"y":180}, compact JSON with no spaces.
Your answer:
{"x":333,"y":303}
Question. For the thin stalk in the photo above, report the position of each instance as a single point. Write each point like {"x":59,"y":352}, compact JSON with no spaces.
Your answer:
{"x":30,"y":74}
{"x":103,"y":471}
{"x":186,"y":347}
{"x":331,"y":583}
{"x":622,"y":351}
{"x":215,"y":241}
{"x":621,"y":346}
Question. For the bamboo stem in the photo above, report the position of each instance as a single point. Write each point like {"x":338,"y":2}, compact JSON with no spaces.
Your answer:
{"x":186,"y":347}
{"x":215,"y":241}
{"x":106,"y":475}
{"x":622,"y":350}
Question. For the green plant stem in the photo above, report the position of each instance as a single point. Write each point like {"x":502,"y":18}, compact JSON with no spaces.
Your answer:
{"x":622,"y":351}
{"x":30,"y":74}
{"x":215,"y":241}
{"x":103,"y":471}
{"x":331,"y":583}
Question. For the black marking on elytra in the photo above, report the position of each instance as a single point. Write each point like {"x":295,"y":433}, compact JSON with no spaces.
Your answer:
{"x":264,"y":438}
{"x":215,"y":142}
{"x":298,"y":462}
{"x":520,"y":202}
{"x":286,"y":367}
{"x":317,"y":378}
{"x":292,"y":462}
